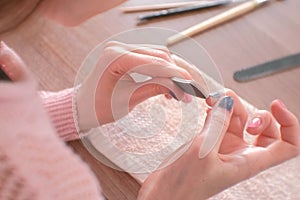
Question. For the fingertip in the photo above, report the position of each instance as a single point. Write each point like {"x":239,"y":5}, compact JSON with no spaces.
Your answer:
{"x":13,"y":65}
{"x":277,"y":104}
{"x":226,"y":103}
{"x":168,"y":96}
{"x":214,"y":97}
{"x":289,"y":124}
{"x":254,"y":126}
{"x":187,"y":98}
{"x":282,"y":114}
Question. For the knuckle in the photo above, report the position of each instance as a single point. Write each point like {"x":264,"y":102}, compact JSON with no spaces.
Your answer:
{"x":159,"y":61}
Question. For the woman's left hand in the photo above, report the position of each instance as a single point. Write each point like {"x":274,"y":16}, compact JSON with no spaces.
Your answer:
{"x":109,"y":92}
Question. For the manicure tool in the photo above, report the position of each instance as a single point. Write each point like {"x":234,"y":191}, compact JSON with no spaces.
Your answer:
{"x":157,"y":6}
{"x":216,"y":20}
{"x":188,"y":86}
{"x":267,"y":68}
{"x":183,"y":9}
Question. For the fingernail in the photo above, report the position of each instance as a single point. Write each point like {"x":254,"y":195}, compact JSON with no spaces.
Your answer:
{"x":255,"y":122}
{"x":227,"y":103}
{"x":187,"y":98}
{"x":282,"y":105}
{"x":215,"y":95}
{"x":173,"y":95}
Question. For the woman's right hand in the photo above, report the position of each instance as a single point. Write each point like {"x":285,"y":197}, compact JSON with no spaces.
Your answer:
{"x":231,"y":159}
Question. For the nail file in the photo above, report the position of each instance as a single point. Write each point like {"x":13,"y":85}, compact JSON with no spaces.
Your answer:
{"x":174,"y":11}
{"x":3,"y":76}
{"x":268,"y":68}
{"x":190,"y":87}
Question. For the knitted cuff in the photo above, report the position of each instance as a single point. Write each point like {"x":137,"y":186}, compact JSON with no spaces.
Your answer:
{"x":62,"y":112}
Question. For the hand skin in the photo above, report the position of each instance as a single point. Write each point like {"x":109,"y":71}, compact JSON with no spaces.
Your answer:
{"x":232,"y":159}
{"x":109,"y":92}
{"x":19,"y":100}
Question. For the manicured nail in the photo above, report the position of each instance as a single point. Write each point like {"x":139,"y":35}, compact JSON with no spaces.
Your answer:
{"x":215,"y":95}
{"x":173,"y":95}
{"x":282,"y":105}
{"x":255,"y":122}
{"x":227,"y":103}
{"x":187,"y":98}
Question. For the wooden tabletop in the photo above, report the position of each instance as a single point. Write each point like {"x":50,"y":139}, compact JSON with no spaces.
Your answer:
{"x":54,"y":53}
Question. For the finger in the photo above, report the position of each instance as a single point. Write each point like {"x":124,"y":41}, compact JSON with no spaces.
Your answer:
{"x":154,"y":87}
{"x":215,"y":126}
{"x":264,"y":125}
{"x":289,"y":124}
{"x":134,"y":46}
{"x":159,"y":50}
{"x":168,"y":96}
{"x":280,"y":150}
{"x":239,"y":115}
{"x":192,"y":69}
{"x":13,"y":65}
{"x":144,"y":64}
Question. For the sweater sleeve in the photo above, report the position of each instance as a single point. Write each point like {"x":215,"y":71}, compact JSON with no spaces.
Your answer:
{"x":35,"y":163}
{"x":62,"y":112}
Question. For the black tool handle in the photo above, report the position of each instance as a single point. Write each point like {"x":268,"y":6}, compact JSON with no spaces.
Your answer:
{"x":184,"y":9}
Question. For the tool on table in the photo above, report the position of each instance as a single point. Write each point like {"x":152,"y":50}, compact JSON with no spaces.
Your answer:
{"x":183,"y":9}
{"x":158,"y":6}
{"x":3,"y":76}
{"x":216,"y":20}
{"x":267,"y":68}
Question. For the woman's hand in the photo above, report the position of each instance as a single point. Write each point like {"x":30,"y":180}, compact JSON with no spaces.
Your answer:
{"x":20,"y":105}
{"x":231,"y":159}
{"x":110,"y":92}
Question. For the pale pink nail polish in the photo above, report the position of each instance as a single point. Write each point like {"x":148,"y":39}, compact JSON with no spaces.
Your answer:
{"x":254,"y":123}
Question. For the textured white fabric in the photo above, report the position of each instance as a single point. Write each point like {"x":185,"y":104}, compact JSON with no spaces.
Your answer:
{"x":112,"y":140}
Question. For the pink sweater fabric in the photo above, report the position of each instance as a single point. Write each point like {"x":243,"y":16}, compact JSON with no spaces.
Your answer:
{"x":38,"y":165}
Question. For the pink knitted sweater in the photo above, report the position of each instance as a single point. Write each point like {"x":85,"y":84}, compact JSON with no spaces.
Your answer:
{"x":38,"y":165}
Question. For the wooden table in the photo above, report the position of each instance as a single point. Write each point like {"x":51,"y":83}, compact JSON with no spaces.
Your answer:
{"x":54,"y":53}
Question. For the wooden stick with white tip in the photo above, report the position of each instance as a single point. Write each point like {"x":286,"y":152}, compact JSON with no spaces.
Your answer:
{"x":216,"y":20}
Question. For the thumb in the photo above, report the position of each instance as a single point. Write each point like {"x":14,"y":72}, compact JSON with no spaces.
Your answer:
{"x":215,"y":126}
